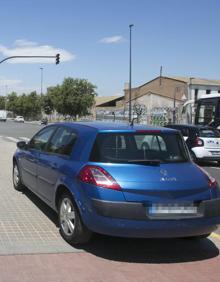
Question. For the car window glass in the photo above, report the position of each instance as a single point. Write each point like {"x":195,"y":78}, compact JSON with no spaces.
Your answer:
{"x":62,"y":142}
{"x":208,"y":133}
{"x":185,"y":132}
{"x":164,"y":147}
{"x":39,"y":141}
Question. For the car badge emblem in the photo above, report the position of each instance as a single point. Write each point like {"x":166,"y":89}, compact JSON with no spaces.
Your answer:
{"x":165,"y":177}
{"x":163,"y":172}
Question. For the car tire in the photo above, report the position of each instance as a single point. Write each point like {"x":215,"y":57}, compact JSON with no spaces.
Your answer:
{"x":71,"y":226}
{"x":17,"y":183}
{"x":219,"y":163}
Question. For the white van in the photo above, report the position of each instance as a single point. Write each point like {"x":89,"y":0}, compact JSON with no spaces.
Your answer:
{"x":3,"y":115}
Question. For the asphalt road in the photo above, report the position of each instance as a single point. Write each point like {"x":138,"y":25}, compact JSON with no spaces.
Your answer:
{"x":17,"y":129}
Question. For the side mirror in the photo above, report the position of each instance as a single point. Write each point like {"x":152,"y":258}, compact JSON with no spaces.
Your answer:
{"x":22,"y":145}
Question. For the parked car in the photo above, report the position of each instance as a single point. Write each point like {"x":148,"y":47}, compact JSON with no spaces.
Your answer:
{"x":19,"y":119}
{"x":203,"y":141}
{"x":99,"y":178}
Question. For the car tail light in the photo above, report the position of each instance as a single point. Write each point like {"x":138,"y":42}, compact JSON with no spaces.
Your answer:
{"x":211,"y":180}
{"x":199,"y":142}
{"x":98,"y":176}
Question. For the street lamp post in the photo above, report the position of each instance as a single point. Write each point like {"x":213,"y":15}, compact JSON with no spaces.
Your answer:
{"x":130,"y":26}
{"x":41,"y":90}
{"x":41,"y":82}
{"x":6,"y":95}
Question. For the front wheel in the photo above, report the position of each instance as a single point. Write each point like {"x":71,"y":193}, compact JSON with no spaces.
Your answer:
{"x":71,"y":226}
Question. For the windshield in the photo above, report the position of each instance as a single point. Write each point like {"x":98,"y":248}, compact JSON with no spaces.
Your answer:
{"x":141,"y":148}
{"x":209,"y":133}
{"x":208,"y":112}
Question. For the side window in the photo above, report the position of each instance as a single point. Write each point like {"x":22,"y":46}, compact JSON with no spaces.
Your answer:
{"x":162,"y":144}
{"x":39,"y":141}
{"x":62,"y":142}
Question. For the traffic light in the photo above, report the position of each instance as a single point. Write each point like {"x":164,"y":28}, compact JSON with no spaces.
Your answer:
{"x":57,"y":59}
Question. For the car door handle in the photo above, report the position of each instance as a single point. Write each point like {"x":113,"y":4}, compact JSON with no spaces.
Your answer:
{"x":54,"y":165}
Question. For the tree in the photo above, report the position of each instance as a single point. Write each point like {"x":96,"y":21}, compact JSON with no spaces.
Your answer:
{"x":2,"y":102}
{"x":74,"y":97}
{"x":139,"y":111}
{"x":50,"y":99}
{"x":12,"y":102}
{"x":27,"y":105}
{"x":31,"y":105}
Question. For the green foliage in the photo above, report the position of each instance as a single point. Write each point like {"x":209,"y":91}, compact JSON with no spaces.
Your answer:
{"x":74,"y":97}
{"x":27,"y":105}
{"x":2,"y":102}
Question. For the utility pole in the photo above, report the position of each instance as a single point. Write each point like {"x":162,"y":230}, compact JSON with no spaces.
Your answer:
{"x":130,"y":26}
{"x":41,"y":83}
{"x":6,"y":95}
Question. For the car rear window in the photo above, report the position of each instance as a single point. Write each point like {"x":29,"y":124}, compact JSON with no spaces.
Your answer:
{"x":209,"y":133}
{"x":128,"y":147}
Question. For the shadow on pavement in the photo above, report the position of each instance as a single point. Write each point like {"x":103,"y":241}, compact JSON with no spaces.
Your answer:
{"x":50,"y":213}
{"x":209,"y":164}
{"x":151,"y":250}
{"x":139,"y":250}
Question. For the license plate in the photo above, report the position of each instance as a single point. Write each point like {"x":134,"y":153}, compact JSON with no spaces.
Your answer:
{"x":177,"y":208}
{"x":215,"y":153}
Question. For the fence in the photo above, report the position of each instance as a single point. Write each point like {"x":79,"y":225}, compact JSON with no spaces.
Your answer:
{"x":157,"y":116}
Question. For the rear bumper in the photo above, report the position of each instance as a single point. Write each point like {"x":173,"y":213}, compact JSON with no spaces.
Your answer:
{"x":206,"y":154}
{"x":138,"y":211}
{"x":214,"y":158}
{"x":130,"y":220}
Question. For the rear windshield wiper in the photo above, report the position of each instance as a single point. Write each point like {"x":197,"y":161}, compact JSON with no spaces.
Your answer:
{"x":145,"y":162}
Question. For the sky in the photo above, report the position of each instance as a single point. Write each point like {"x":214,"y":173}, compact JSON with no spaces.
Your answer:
{"x":92,"y":37}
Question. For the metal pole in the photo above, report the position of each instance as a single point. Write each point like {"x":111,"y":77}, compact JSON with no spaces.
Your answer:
{"x":41,"y":83}
{"x":130,"y":26}
{"x":6,"y":94}
{"x":174,"y":108}
{"x":41,"y":91}
{"x":15,"y":57}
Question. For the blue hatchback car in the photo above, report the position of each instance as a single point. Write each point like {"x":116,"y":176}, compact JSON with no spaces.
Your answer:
{"x":117,"y":179}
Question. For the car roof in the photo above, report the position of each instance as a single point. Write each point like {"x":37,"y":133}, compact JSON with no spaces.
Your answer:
{"x":111,"y":126}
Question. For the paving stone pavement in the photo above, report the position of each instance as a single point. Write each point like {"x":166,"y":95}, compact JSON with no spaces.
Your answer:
{"x":27,"y":225}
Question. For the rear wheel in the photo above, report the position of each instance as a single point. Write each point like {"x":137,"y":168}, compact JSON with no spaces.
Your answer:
{"x":17,"y":178}
{"x":71,"y":226}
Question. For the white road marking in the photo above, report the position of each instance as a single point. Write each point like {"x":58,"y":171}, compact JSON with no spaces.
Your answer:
{"x":24,"y":138}
{"x":215,"y":167}
{"x":12,"y":139}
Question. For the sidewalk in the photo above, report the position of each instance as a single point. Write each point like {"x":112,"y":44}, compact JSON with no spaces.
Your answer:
{"x":82,"y":267}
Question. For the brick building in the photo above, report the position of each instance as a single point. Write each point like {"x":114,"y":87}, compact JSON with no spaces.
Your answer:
{"x":163,"y":97}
